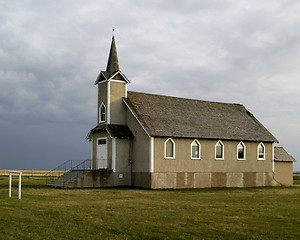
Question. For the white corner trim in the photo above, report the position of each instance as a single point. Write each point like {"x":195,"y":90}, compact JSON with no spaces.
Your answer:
{"x":273,"y":158}
{"x":108,"y":133}
{"x":108,"y":103}
{"x":165,"y":149}
{"x":223,"y":152}
{"x":126,"y":91}
{"x":137,"y":119}
{"x":92,"y":152}
{"x":113,"y":154}
{"x":151,"y":157}
{"x":199,"y":144}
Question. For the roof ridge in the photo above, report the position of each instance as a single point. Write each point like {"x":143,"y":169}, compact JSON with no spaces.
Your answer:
{"x":192,"y":99}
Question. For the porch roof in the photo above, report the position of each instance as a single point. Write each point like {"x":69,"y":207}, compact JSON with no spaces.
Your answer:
{"x":281,"y":155}
{"x":116,"y":131}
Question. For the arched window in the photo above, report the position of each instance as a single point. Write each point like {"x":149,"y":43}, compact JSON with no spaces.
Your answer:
{"x":169,"y":148}
{"x":261,"y":152}
{"x":219,"y":151}
{"x":195,"y":150}
{"x":102,"y":113}
{"x":241,"y":151}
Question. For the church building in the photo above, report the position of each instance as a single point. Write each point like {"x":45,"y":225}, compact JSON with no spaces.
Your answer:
{"x":156,"y":141}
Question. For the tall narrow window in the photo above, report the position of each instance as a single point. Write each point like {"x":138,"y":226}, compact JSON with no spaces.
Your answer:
{"x":219,"y":151}
{"x":261,"y":152}
{"x":195,"y":150}
{"x":241,"y":151}
{"x":102,"y":113}
{"x":169,"y":148}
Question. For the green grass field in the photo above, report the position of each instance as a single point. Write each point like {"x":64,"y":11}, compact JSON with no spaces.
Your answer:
{"x":296,"y":179}
{"x":47,"y":213}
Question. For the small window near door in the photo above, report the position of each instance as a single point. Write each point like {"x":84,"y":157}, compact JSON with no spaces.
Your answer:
{"x":101,"y":141}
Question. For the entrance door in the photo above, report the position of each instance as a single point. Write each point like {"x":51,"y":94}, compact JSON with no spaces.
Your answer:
{"x":101,"y":161}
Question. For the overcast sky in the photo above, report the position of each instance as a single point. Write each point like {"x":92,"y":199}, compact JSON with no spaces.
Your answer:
{"x":52,"y":51}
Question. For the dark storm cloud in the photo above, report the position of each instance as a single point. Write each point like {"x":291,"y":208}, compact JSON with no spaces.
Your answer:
{"x":52,"y":51}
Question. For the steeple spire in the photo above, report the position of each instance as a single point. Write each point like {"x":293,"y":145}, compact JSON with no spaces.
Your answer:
{"x":113,"y":62}
{"x":112,"y":69}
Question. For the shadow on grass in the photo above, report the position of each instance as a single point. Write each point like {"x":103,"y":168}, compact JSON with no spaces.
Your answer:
{"x":39,"y":182}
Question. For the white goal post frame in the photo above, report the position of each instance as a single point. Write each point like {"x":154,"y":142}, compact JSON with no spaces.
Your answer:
{"x":19,"y":185}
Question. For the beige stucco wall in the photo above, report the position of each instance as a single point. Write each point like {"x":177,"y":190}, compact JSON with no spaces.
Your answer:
{"x":207,"y":163}
{"x":207,"y":180}
{"x":184,"y":172}
{"x":101,"y":178}
{"x":140,"y":145}
{"x":283,"y":173}
{"x":117,"y":107}
{"x":122,"y":155}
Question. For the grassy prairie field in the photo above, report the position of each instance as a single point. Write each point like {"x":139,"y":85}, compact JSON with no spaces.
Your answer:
{"x":119,"y":213}
{"x":33,"y":173}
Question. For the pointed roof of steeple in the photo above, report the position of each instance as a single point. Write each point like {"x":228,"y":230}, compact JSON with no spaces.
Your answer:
{"x":113,"y":62}
{"x":112,"y":69}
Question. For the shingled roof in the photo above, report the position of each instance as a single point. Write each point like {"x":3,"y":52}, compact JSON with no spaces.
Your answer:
{"x":166,"y":116}
{"x":281,"y":155}
{"x":116,"y":131}
{"x":113,"y":62}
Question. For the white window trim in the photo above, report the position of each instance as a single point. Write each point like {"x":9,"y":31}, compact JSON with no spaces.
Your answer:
{"x":223,"y":152}
{"x":102,"y":104}
{"x":92,"y":152}
{"x":258,"y":158}
{"x":102,"y":138}
{"x":237,"y":152}
{"x":165,"y":149}
{"x":198,"y":149}
{"x":273,"y":157}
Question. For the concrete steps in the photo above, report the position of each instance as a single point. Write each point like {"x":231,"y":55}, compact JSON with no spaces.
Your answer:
{"x":69,"y":177}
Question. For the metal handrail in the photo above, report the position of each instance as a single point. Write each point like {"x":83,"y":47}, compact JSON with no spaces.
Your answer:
{"x":78,"y":166}
{"x":61,"y":169}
